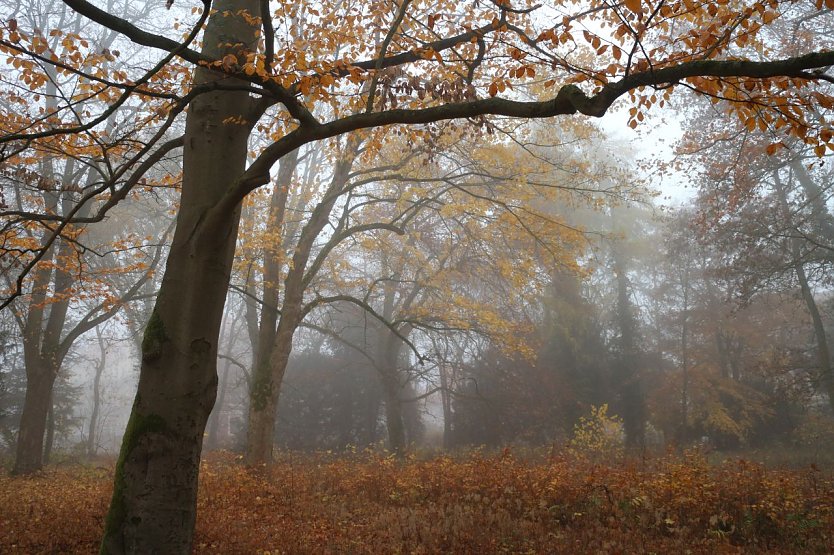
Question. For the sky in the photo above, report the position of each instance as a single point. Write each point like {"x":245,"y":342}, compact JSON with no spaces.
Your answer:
{"x":653,"y":139}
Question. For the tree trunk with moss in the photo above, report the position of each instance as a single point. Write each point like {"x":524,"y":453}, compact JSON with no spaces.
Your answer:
{"x":153,"y":508}
{"x":275,"y":351}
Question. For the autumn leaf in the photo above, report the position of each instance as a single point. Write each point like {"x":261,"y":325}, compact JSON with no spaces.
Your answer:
{"x":633,"y":5}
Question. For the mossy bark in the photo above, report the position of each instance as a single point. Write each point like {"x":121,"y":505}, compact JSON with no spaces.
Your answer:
{"x":153,"y":509}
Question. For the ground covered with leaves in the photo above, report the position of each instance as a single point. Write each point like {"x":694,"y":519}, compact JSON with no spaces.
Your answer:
{"x":503,"y":503}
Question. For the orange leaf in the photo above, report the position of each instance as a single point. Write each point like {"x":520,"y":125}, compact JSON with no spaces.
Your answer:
{"x":633,"y":5}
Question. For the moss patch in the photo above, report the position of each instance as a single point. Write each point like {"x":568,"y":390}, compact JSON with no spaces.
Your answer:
{"x":137,"y":427}
{"x":154,"y":338}
{"x":261,"y":388}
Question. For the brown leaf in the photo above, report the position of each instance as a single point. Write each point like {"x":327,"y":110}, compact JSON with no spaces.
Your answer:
{"x":633,"y":5}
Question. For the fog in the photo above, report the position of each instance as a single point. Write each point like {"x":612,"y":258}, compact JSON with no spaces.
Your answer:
{"x":507,"y":312}
{"x":442,"y":286}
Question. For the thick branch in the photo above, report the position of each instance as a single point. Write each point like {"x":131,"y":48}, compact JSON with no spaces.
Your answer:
{"x":569,"y":100}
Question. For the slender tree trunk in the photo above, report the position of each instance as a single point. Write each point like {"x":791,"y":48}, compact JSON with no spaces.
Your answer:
{"x":825,"y":224}
{"x":43,"y":356}
{"x":446,"y":403}
{"x":823,"y":219}
{"x":211,"y":438}
{"x":266,"y":386}
{"x":388,"y":355}
{"x":50,"y":429}
{"x":823,"y":350}
{"x":153,"y":508}
{"x":269,"y":371}
{"x":371,"y":419}
{"x":92,"y":435}
{"x":631,"y":385}
{"x":683,"y":426}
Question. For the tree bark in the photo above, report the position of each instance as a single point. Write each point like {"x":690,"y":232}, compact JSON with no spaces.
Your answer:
{"x":823,"y":349}
{"x":446,"y":403}
{"x":394,"y":420}
{"x":92,"y":433}
{"x":388,"y":356}
{"x":153,"y":508}
{"x":40,"y":378}
{"x":49,"y":442}
{"x":822,"y":217}
{"x":43,"y":355}
{"x":266,"y":387}
{"x":269,"y":371}
{"x":100,"y":366}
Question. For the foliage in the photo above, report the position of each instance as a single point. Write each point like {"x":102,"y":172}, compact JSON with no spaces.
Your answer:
{"x":816,"y":431}
{"x":486,"y":504}
{"x":598,"y":436}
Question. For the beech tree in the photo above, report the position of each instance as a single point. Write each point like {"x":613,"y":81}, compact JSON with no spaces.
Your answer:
{"x":764,"y":205}
{"x":269,"y":69}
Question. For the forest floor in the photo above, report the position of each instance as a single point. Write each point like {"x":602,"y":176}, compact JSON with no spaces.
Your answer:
{"x":478,"y":503}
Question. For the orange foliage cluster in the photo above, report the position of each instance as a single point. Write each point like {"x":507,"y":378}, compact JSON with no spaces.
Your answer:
{"x":477,"y":504}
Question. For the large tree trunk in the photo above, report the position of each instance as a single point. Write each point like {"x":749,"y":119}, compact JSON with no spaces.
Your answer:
{"x":394,"y":416}
{"x":153,"y":508}
{"x":40,"y":379}
{"x":266,"y":387}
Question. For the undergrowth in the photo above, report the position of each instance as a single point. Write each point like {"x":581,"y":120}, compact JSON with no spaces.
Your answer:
{"x":475,"y":504}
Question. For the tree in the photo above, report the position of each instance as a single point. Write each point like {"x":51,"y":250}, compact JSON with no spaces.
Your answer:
{"x":765,"y":204}
{"x":293,"y":84}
